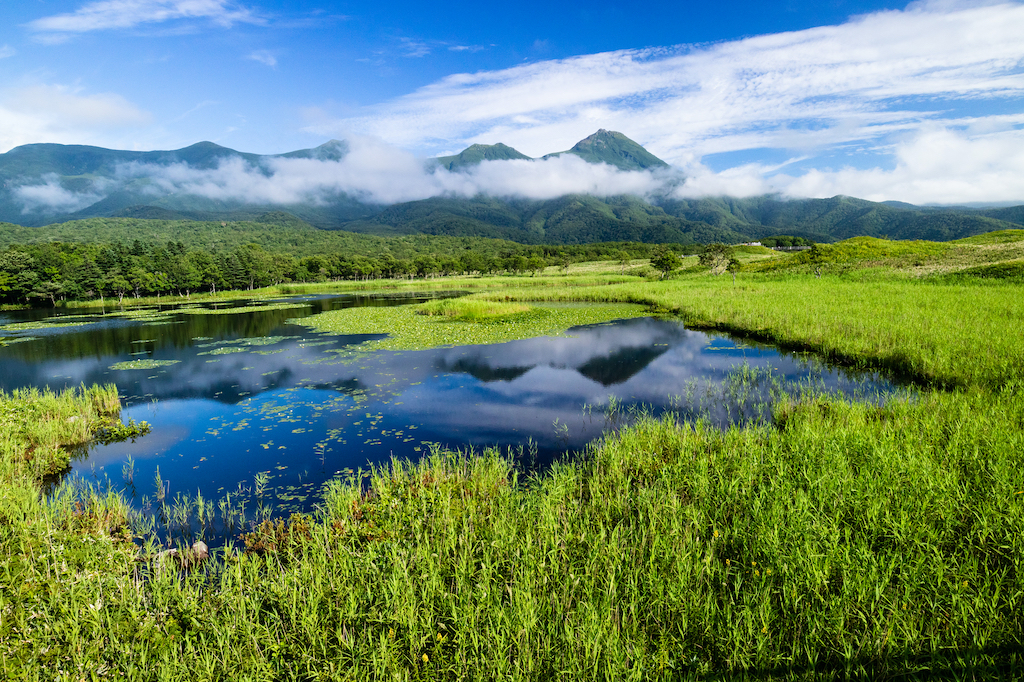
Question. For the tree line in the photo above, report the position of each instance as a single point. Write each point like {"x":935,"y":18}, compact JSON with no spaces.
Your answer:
{"x":51,"y":272}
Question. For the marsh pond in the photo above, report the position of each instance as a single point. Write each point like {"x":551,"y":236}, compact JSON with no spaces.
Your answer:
{"x":264,"y":398}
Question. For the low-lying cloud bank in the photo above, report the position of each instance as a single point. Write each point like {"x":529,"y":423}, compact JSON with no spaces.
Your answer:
{"x":380,"y":174}
{"x":48,"y":195}
{"x":371,"y":172}
{"x":937,"y":166}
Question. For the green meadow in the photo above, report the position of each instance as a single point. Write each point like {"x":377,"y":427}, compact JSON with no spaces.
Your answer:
{"x":838,"y":540}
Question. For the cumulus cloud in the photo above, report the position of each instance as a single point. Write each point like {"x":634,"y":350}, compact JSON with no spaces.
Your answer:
{"x":935,"y":166}
{"x":48,"y":195}
{"x":120,"y":14}
{"x":58,"y":113}
{"x":864,"y":86}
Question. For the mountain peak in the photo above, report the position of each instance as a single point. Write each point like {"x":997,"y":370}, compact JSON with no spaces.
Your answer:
{"x":332,"y":150}
{"x":614,"y":148}
{"x":475,"y":153}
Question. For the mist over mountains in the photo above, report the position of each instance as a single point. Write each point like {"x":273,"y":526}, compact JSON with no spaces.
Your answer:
{"x":605,"y":188}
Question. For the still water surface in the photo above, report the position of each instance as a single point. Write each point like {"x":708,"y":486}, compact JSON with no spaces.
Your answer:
{"x":250,"y":393}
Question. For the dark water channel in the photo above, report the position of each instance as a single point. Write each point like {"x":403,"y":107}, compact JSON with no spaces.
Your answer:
{"x":253,"y":404}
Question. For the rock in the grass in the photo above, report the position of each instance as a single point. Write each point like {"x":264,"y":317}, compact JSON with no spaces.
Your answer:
{"x":163,"y":560}
{"x":200,"y":551}
{"x":166,"y":554}
{"x":193,"y":556}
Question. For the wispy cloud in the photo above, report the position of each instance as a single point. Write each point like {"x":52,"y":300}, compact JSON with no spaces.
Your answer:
{"x":7,"y":51}
{"x":121,"y":14}
{"x":987,"y":168}
{"x":414,"y":48}
{"x":263,"y":57}
{"x":871,"y":83}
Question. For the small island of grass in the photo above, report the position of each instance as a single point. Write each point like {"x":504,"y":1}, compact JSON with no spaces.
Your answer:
{"x":473,"y":309}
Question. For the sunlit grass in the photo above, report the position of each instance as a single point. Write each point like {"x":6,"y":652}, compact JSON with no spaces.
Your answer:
{"x":408,"y":330}
{"x":849,"y":540}
{"x":472,"y":310}
{"x":39,"y":428}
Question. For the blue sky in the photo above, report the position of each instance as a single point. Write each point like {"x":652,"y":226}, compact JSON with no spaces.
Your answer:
{"x":921,"y":102}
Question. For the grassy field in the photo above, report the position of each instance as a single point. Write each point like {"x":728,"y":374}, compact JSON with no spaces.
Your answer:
{"x":844,"y":540}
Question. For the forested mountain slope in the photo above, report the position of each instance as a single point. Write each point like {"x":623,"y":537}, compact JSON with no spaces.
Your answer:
{"x":45,"y":184}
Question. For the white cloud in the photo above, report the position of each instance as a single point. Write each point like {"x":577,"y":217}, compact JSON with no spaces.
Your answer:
{"x":378,"y":173}
{"x":263,"y":57}
{"x":414,"y":48}
{"x":742,"y":181}
{"x":48,"y":195}
{"x":7,"y":51}
{"x":935,"y":166}
{"x":120,"y":14}
{"x":58,"y":113}
{"x":869,"y":83}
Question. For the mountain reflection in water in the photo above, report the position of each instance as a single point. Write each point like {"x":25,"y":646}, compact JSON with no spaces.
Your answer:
{"x":251,"y":393}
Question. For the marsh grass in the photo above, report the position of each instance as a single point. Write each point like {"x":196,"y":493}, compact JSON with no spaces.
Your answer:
{"x":935,"y":334}
{"x":848,"y":540}
{"x":41,"y":429}
{"x":408,"y":330}
{"x":472,"y":310}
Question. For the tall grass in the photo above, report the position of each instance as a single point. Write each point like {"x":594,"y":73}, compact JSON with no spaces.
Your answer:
{"x":850,"y":540}
{"x":41,"y":429}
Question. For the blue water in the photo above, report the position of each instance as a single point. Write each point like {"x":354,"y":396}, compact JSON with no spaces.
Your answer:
{"x":252,"y":394}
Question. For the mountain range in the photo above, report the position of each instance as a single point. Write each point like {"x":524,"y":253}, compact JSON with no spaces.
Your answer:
{"x":42,"y":184}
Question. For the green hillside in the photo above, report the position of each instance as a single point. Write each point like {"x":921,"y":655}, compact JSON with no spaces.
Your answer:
{"x":836,"y":218}
{"x":571,"y":219}
{"x":476,"y":153}
{"x":608,"y":146}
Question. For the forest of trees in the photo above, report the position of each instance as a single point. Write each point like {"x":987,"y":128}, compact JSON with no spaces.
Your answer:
{"x":48,"y":273}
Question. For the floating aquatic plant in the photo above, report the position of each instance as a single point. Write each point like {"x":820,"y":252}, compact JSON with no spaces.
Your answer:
{"x":143,"y":364}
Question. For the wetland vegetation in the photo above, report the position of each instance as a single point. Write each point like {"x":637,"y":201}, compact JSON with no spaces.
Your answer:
{"x":838,"y":538}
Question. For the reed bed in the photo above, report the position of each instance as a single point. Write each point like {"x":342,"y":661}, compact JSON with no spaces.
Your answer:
{"x":848,"y":540}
